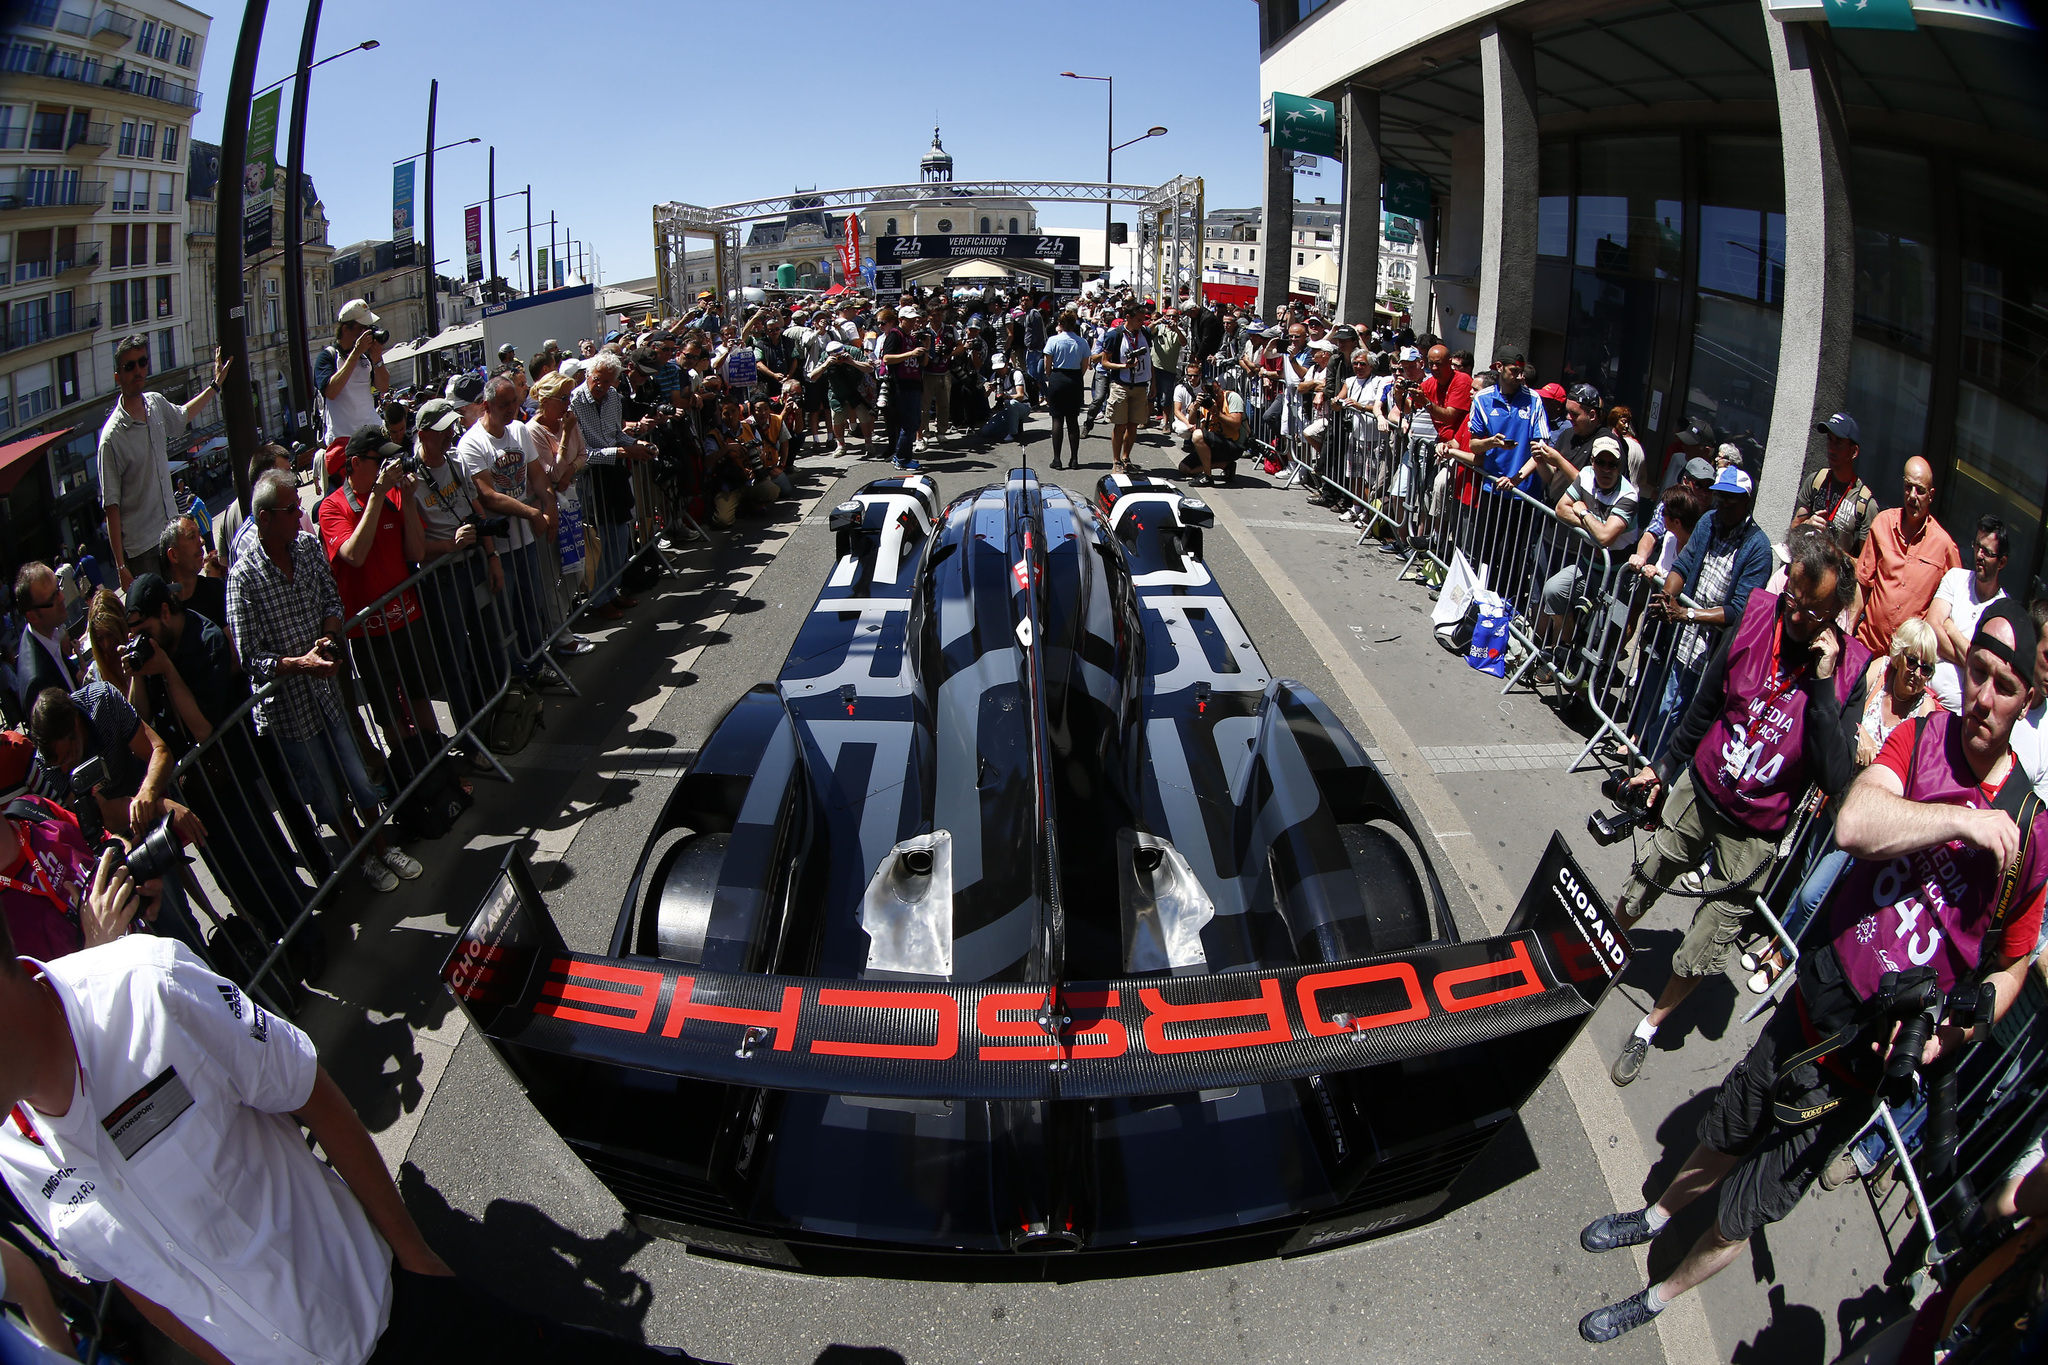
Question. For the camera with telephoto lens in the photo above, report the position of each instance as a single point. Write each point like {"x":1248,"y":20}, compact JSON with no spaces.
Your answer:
{"x":138,"y":652}
{"x":1913,"y":1001}
{"x":155,"y":854}
{"x":492,"y":526}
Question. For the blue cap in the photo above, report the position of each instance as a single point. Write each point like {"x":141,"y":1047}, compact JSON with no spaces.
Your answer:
{"x":1842,"y":425}
{"x":1731,"y":480}
{"x":611,"y":336}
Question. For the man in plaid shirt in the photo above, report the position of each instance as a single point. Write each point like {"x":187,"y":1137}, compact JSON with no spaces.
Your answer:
{"x":286,"y":617}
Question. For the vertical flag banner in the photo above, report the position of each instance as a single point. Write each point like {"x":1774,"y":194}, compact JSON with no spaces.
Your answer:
{"x":473,"y":241}
{"x":401,"y":214}
{"x":540,"y":273}
{"x":260,"y":173}
{"x":557,"y":267}
{"x":849,"y":251}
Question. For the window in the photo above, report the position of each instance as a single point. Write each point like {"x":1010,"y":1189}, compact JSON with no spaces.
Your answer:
{"x":147,"y":38}
{"x":140,"y":201}
{"x":163,"y":243}
{"x":32,"y":394}
{"x":1234,"y":253}
{"x":163,"y":44}
{"x":67,"y":378}
{"x":43,"y":13}
{"x":889,"y":228}
{"x":117,"y":303}
{"x":170,"y":144}
{"x":167,"y":191}
{"x":984,"y":225}
{"x":184,"y":49}
{"x":165,"y":305}
{"x":24,"y":57}
{"x":118,"y":200}
{"x":126,"y":146}
{"x":46,"y":133}
{"x":1013,"y":227}
{"x":117,"y":248}
{"x":138,"y":299}
{"x":1322,"y":236}
{"x":1299,"y":259}
{"x":167,"y":350}
{"x":145,"y":142}
{"x":270,"y":288}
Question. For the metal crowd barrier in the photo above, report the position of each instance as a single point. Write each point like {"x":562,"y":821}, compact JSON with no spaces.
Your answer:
{"x":410,"y":694}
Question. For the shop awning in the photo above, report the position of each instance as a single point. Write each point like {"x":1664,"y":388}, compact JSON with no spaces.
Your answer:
{"x":18,"y":457}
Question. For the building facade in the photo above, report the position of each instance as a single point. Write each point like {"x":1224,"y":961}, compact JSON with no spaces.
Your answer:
{"x":1732,"y":211}
{"x":96,"y":105}
{"x":1230,"y":247}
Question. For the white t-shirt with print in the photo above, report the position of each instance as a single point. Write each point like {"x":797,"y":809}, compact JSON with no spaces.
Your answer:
{"x":505,"y":459}
{"x":1958,"y":589}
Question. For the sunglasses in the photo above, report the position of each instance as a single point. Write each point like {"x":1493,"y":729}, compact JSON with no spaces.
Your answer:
{"x":139,"y":363}
{"x":43,"y":606}
{"x":1924,"y":667}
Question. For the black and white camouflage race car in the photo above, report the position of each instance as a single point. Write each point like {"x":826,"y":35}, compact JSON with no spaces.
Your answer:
{"x":1028,"y":912}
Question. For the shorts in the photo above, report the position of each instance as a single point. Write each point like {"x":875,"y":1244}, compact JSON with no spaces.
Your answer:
{"x":1691,"y":827}
{"x":1129,"y":405}
{"x":1777,"y":1163}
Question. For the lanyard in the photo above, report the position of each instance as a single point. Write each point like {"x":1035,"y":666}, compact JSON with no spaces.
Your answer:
{"x":1792,"y":679}
{"x":39,"y":886}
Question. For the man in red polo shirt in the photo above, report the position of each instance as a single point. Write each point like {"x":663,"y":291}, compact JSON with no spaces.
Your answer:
{"x":370,"y":556}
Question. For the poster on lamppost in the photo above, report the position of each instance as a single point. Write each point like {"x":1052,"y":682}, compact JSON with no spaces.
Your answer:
{"x":540,"y":257}
{"x":260,"y":173}
{"x":401,"y":215}
{"x":473,"y":241}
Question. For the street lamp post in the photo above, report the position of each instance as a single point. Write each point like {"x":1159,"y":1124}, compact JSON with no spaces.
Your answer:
{"x":1149,"y":132}
{"x":1109,"y":159}
{"x":298,"y":363}
{"x":427,"y":218}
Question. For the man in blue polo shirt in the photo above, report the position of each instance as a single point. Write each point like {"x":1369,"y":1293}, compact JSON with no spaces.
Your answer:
{"x":1505,"y":419}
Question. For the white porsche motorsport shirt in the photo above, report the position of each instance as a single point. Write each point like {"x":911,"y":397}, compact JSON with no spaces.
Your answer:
{"x":179,"y":1171}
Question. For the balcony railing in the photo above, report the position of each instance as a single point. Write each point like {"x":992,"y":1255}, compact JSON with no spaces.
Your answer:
{"x":106,"y":22}
{"x":34,"y":330}
{"x":85,"y":256}
{"x":77,"y":25}
{"x":79,"y":193}
{"x":88,"y":71}
{"x":96,"y":135}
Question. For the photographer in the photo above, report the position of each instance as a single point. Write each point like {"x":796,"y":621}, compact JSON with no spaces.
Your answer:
{"x":732,"y":464}
{"x":1009,"y":396}
{"x":47,"y":870}
{"x":129,"y":792}
{"x":1777,"y":708}
{"x":1211,"y":421}
{"x":1946,"y":881}
{"x":349,"y":375}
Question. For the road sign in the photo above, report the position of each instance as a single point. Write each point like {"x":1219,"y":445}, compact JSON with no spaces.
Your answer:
{"x":888,"y":279}
{"x":1066,"y":279}
{"x":1296,"y":123}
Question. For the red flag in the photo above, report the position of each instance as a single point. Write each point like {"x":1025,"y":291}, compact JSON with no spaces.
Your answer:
{"x":849,"y":252}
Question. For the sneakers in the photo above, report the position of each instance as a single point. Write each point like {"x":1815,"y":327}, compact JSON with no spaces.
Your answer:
{"x":1613,"y":1231}
{"x":569,"y":646}
{"x":910,"y":466}
{"x":378,"y":875}
{"x":1629,"y":1064}
{"x":1605,"y":1324}
{"x":1841,"y":1169}
{"x":404,"y":866}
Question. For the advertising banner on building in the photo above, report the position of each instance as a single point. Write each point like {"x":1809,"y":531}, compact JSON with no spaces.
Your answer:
{"x":260,"y":173}
{"x":1296,"y":123}
{"x":1406,"y":192}
{"x":540,"y":257}
{"x":473,"y":241}
{"x":556,"y":266}
{"x":401,"y":215}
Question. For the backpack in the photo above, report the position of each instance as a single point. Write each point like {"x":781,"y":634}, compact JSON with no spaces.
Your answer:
{"x":640,"y":575}
{"x":432,"y":810}
{"x":514,"y":719}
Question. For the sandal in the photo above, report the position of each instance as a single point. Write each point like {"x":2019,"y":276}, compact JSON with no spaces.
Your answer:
{"x":1765,"y":976}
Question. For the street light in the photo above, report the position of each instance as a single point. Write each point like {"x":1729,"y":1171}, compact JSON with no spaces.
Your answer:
{"x":1109,"y":161}
{"x":1149,"y":132}
{"x":442,"y":148}
{"x":366,"y":45}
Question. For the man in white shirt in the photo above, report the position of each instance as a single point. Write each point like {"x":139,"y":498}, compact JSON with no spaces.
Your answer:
{"x":350,"y":374}
{"x":135,"y":459}
{"x":1958,"y":603}
{"x":493,"y":456}
{"x":151,"y":1136}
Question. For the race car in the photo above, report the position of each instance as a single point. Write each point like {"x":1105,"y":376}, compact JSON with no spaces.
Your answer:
{"x":1025,"y":913}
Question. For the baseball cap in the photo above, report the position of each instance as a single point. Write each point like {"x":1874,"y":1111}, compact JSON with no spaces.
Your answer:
{"x":372,"y":439}
{"x":2018,"y":656}
{"x":1553,"y":391}
{"x":1608,"y":445}
{"x":705,"y":294}
{"x":358,"y":312}
{"x":1696,"y":468}
{"x":1844,"y":426}
{"x":1698,"y":432}
{"x":834,"y":347}
{"x":1410,"y":353}
{"x":438,"y":414}
{"x":466,"y":389}
{"x":148,"y":594}
{"x":1322,"y":344}
{"x":1509,"y":355}
{"x":611,"y":337}
{"x":1345,"y":332}
{"x":1730,"y":480}
{"x":1585,"y":395}
{"x":508,"y":349}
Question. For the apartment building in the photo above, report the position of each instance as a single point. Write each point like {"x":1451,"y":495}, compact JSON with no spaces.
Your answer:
{"x":263,"y":285}
{"x":96,"y":105}
{"x":1230,"y":247}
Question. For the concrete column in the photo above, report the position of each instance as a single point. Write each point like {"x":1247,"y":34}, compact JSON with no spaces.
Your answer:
{"x":1507,"y":210}
{"x":1276,"y":232}
{"x":1820,"y":265}
{"x":1358,"y":280}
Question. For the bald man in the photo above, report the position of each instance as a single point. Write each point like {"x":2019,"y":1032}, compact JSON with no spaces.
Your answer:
{"x":1903,"y":560}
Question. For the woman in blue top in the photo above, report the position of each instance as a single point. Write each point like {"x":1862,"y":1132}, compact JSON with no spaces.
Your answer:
{"x":1066,"y":358}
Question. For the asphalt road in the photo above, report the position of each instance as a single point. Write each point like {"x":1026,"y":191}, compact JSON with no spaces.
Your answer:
{"x":1500,"y":1276}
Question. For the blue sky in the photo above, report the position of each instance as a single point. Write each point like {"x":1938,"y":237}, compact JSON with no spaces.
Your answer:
{"x":779,"y":95}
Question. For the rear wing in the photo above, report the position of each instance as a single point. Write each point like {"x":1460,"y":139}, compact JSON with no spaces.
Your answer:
{"x":1543,"y":976}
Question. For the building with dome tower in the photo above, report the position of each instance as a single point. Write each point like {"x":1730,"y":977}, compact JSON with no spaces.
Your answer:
{"x":935,"y":210}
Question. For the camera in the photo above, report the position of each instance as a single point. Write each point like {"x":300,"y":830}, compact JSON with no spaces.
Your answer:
{"x":138,"y":652}
{"x":494,"y":526}
{"x":1913,"y":1001}
{"x":663,"y":410}
{"x":381,"y":335}
{"x":87,"y":775}
{"x":156,"y":854}
{"x":326,"y":650}
{"x":1610,"y":827}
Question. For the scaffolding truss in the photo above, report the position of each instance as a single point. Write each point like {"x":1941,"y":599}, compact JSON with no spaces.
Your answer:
{"x":1169,"y":219}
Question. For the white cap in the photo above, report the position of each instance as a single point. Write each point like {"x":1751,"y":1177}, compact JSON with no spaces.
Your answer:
{"x":1410,"y":353}
{"x":358,"y":312}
